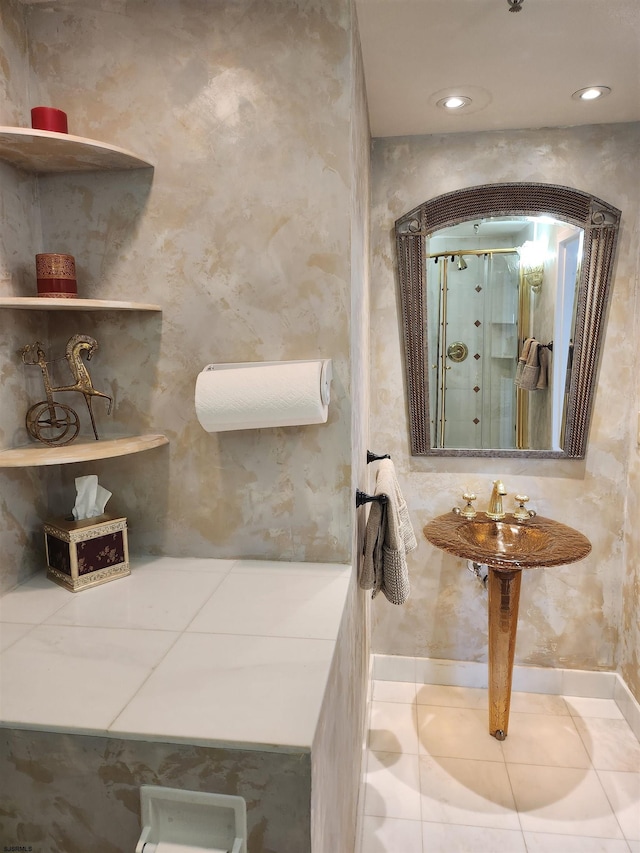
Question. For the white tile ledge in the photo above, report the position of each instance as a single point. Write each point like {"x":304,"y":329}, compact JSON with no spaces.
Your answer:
{"x":77,"y":641}
{"x":526,"y":679}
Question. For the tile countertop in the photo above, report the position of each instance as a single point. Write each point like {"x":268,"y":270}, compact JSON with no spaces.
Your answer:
{"x":201,"y":651}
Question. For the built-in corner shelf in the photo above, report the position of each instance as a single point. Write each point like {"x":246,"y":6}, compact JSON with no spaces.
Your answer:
{"x":36,"y":455}
{"x":39,"y":303}
{"x":43,"y":152}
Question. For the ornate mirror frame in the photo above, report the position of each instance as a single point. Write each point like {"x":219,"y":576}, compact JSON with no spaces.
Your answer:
{"x":600,"y":222}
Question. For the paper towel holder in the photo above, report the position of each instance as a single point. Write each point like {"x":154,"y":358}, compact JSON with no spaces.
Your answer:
{"x":191,"y":819}
{"x":263,"y":394}
{"x":326,"y":371}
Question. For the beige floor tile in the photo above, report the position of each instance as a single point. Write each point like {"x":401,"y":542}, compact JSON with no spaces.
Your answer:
{"x":623,"y":791}
{"x":391,"y":835}
{"x":456,"y":733}
{"x":538,"y":703}
{"x":610,"y":743}
{"x":546,"y":739}
{"x":393,"y":727}
{"x":448,"y":838}
{"x":563,"y":801}
{"x":543,"y":842}
{"x":392,"y":786}
{"x":461,"y":791}
{"x":452,"y":697}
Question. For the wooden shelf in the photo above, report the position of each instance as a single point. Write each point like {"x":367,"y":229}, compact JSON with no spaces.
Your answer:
{"x":43,"y":152}
{"x":36,"y":455}
{"x":38,"y":303}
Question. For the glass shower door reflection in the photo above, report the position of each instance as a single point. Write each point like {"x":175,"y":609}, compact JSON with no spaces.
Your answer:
{"x":473,"y":351}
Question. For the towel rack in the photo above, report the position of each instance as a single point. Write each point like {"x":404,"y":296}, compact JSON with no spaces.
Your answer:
{"x":548,"y":346}
{"x":363,"y":498}
{"x":371,"y":457}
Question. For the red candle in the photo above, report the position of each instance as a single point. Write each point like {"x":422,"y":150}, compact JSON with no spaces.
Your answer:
{"x":56,"y":276}
{"x":49,"y":118}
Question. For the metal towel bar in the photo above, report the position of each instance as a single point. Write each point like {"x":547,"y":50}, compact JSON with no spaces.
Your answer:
{"x":371,"y":457}
{"x":363,"y":498}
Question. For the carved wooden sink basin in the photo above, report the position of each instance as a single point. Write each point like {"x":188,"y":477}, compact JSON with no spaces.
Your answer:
{"x":508,"y":544}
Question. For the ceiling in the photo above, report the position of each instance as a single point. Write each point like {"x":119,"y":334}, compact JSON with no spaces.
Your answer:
{"x":519,"y":68}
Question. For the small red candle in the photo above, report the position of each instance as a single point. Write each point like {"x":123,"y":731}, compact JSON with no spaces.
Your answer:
{"x":49,"y":118}
{"x":56,"y":276}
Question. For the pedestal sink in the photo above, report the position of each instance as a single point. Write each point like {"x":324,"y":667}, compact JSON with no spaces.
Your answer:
{"x":507,"y":547}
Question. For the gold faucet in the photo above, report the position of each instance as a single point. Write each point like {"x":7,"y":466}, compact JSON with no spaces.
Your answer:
{"x":495,"y":510}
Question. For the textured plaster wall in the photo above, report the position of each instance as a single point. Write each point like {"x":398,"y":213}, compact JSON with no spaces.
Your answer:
{"x":241,"y":233}
{"x":335,"y":783}
{"x":629,"y":650}
{"x":23,"y":492}
{"x":74,"y":794}
{"x":583,"y":615}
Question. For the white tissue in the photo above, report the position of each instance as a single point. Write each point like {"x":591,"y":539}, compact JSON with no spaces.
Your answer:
{"x":91,"y":498}
{"x":253,"y":395}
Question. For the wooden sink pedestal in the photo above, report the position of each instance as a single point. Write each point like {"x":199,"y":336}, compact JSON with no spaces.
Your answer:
{"x":504,"y":599}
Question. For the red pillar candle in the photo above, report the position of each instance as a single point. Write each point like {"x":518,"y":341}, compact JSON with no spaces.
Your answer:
{"x":49,"y":118}
{"x":56,"y":276}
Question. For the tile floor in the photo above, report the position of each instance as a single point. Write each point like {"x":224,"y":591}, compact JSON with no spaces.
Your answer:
{"x":566,"y":779}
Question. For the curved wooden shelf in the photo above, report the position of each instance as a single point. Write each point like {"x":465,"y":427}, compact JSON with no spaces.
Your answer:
{"x":38,"y":303}
{"x":36,"y":455}
{"x":43,"y":152}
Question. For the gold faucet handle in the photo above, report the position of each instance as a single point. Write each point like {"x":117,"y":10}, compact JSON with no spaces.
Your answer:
{"x":469,"y":510}
{"x":522,"y":513}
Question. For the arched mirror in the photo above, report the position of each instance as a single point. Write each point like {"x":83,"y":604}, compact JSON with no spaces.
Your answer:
{"x":504,"y":292}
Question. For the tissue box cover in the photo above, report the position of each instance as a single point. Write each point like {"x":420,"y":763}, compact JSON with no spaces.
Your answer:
{"x":81,"y":554}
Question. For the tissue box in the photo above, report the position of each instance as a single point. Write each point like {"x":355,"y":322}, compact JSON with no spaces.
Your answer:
{"x":81,"y":554}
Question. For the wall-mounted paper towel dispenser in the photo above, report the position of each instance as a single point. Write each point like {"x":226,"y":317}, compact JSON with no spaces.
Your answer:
{"x":177,"y":821}
{"x":255,"y":395}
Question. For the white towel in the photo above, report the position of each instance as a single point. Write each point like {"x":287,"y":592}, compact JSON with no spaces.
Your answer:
{"x":389,"y":537}
{"x":528,"y":378}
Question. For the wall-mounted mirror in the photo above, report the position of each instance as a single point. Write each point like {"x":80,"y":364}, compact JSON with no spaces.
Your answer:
{"x":504,"y":292}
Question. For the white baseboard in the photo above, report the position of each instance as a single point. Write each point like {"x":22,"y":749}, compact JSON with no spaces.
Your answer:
{"x":526,"y":679}
{"x":363,"y":756}
{"x":628,"y":705}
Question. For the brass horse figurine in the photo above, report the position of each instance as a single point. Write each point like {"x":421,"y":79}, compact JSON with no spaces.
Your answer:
{"x":56,"y":423}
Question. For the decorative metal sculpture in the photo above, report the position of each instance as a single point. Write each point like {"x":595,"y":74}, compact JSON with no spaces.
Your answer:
{"x":52,"y":422}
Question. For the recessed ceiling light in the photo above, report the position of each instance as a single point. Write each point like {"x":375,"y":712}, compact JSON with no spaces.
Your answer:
{"x":454,"y":102}
{"x":591,"y":93}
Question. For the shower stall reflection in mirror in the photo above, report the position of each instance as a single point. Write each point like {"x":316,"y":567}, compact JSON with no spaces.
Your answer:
{"x":478,"y":306}
{"x":481,"y":309}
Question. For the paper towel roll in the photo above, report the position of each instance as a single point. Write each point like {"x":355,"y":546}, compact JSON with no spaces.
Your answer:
{"x":252,"y":395}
